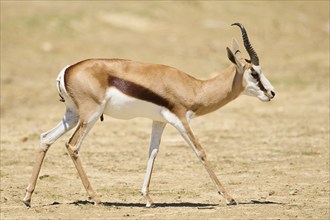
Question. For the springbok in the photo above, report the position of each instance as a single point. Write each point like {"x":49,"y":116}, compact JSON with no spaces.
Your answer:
{"x":127,"y":89}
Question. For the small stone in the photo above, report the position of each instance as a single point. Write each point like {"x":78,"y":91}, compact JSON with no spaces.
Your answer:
{"x":24,"y":139}
{"x":43,"y":176}
{"x":293,"y":192}
{"x":271,"y":193}
{"x":37,"y":210}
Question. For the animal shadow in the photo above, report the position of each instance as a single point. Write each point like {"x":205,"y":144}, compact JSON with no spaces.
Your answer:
{"x":142,"y":205}
{"x":179,"y":204}
{"x":257,"y":202}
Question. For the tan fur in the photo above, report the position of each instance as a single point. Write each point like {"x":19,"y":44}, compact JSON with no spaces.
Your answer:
{"x":178,"y":94}
{"x":86,"y":83}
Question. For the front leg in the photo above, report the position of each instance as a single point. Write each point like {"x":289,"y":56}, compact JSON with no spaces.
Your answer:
{"x":156,"y":134}
{"x":182,"y":125}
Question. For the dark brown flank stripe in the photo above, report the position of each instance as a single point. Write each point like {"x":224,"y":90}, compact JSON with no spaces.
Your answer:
{"x":139,"y":92}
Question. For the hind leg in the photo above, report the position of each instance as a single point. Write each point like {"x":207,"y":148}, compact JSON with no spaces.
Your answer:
{"x":73,"y":147}
{"x":69,"y":121}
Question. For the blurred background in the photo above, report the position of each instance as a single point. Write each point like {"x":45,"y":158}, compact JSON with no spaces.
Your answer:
{"x":39,"y":38}
{"x":278,"y":151}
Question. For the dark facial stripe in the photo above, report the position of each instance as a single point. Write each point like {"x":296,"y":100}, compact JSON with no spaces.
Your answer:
{"x":256,"y":76}
{"x":261,"y":86}
{"x":139,"y":92}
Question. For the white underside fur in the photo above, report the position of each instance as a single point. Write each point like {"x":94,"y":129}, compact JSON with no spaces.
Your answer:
{"x":122,"y":106}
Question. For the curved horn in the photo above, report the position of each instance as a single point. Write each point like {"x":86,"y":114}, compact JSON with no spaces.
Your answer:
{"x":252,"y":53}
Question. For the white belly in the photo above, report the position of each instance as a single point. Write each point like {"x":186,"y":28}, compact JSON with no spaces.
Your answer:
{"x":122,"y":106}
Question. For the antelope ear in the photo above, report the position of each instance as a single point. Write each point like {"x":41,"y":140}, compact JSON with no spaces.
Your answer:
{"x":234,"y":60}
{"x":235,"y":47}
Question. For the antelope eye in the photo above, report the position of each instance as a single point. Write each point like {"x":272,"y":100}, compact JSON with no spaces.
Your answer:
{"x":255,"y":75}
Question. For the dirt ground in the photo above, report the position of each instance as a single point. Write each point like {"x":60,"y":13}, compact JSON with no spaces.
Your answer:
{"x":273,"y":157}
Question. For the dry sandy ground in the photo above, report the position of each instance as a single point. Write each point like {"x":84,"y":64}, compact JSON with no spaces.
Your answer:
{"x":272,"y":157}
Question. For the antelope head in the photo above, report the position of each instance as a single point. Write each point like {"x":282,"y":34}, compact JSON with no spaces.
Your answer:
{"x":254,"y":81}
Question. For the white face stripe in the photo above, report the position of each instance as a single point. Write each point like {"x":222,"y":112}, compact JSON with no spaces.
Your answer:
{"x":257,"y":68}
{"x":252,"y":87}
{"x":265,"y":82}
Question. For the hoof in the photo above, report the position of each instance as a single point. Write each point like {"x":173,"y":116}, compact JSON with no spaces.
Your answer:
{"x":27,"y":203}
{"x":95,"y":199}
{"x":151,"y":206}
{"x":98,"y":203}
{"x":232,"y":202}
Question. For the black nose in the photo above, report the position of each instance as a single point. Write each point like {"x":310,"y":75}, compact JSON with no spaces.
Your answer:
{"x":273,"y":93}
